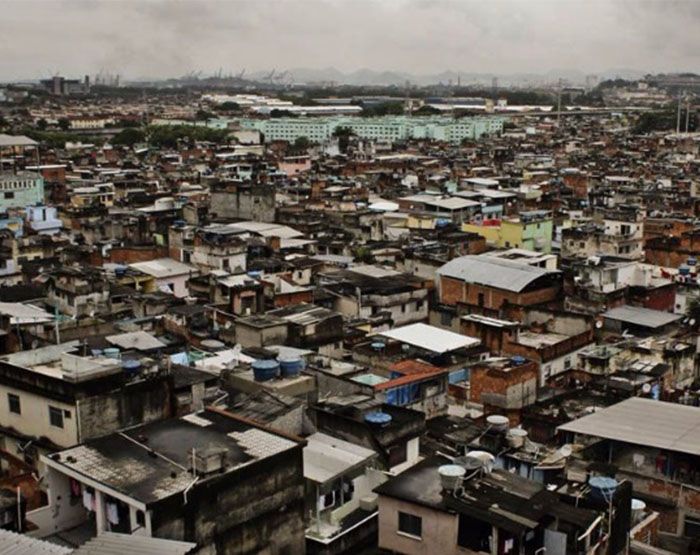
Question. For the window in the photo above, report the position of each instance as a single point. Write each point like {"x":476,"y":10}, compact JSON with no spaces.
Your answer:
{"x":9,"y":195}
{"x":411,"y":524}
{"x":56,"y":417}
{"x":13,"y":402}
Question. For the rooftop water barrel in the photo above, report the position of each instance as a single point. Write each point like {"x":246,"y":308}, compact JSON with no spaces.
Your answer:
{"x":498,"y":422}
{"x":131,"y":367}
{"x":291,"y":366}
{"x":638,"y":507}
{"x":517,"y":360}
{"x":265,"y":370}
{"x":120,"y":270}
{"x":602,"y":487}
{"x":213,"y":345}
{"x":378,"y":346}
{"x":486,"y":458}
{"x":516,"y":437}
{"x":451,"y":476}
{"x":111,"y":352}
{"x":378,"y":418}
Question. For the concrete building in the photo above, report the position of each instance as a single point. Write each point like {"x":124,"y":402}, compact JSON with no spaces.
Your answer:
{"x":20,"y":190}
{"x":389,"y":128}
{"x":225,"y":484}
{"x":494,"y":512}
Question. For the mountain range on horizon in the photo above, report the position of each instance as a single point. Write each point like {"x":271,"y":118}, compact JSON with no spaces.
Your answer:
{"x":388,"y":77}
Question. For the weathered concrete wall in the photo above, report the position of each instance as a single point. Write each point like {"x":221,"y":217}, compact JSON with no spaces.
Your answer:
{"x":137,"y":404}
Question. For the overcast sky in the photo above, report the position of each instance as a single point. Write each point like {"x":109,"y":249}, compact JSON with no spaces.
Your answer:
{"x":162,"y":38}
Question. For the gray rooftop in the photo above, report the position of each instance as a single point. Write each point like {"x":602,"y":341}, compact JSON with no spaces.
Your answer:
{"x":109,"y":543}
{"x":642,"y":316}
{"x":493,"y":272}
{"x":642,"y":421}
{"x":327,"y":458}
{"x":12,"y":543}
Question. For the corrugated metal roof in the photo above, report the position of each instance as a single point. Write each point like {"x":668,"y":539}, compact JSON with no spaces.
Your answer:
{"x":430,"y":338}
{"x":642,"y":316}
{"x":493,"y":272}
{"x":16,"y":140}
{"x":644,"y":422}
{"x":12,"y":543}
{"x":110,"y":543}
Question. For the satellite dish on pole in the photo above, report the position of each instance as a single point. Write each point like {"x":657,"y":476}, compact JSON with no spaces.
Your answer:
{"x":598,"y":324}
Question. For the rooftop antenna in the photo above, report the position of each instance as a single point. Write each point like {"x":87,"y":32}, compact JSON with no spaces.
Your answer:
{"x":687,"y":115}
{"x":678,"y":113}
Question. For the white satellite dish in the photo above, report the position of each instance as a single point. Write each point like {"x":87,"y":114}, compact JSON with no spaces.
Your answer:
{"x":598,"y":324}
{"x":565,"y":450}
{"x":646,"y":388}
{"x":692,"y":321}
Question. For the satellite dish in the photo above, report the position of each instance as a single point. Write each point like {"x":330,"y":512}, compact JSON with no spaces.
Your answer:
{"x":646,"y":388}
{"x":566,"y":450}
{"x":692,"y":321}
{"x":598,"y":324}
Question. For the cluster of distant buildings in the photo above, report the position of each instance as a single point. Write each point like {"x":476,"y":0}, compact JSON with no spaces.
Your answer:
{"x":442,"y":335}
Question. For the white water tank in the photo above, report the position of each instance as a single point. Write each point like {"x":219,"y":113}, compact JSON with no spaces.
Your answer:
{"x":516,"y":437}
{"x":486,"y":458}
{"x":498,"y":422}
{"x":451,"y":476}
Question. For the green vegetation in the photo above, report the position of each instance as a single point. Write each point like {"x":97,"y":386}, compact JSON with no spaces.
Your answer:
{"x":383,"y":109}
{"x":300,"y":146}
{"x":168,"y":136}
{"x":427,"y":111}
{"x":129,"y":137}
{"x":663,"y":120}
{"x":229,"y":107}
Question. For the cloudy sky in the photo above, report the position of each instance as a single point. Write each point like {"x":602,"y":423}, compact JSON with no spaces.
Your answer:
{"x":161,"y":38}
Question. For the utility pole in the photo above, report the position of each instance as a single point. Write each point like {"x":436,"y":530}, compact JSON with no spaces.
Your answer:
{"x":687,"y":116}
{"x":678,"y":114}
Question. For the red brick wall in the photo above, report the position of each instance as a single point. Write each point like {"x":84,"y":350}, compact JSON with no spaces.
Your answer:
{"x":128,"y":255}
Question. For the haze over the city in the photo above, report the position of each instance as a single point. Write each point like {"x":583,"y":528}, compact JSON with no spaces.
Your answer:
{"x":166,"y":38}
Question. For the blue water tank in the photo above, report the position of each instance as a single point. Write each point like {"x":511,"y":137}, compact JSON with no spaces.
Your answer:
{"x":266,"y":369}
{"x":96,"y":352}
{"x":378,"y":418}
{"x":131,"y":367}
{"x":602,"y":487}
{"x":517,"y":360}
{"x":120,"y":270}
{"x":111,"y":352}
{"x":291,"y":366}
{"x":378,"y":346}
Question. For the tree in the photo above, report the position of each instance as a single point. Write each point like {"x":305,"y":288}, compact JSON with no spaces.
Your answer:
{"x":301,"y":145}
{"x":229,"y":106}
{"x":129,"y":137}
{"x":427,"y":111}
{"x":42,"y":124}
{"x":203,"y":115}
{"x":343,"y":134}
{"x":393,"y":108}
{"x":64,"y":124}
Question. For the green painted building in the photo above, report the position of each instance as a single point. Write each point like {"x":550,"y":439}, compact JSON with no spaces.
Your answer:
{"x":21,"y":189}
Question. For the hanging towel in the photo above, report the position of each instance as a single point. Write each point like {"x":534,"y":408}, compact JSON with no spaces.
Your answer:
{"x":112,"y":513}
{"x":88,"y":501}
